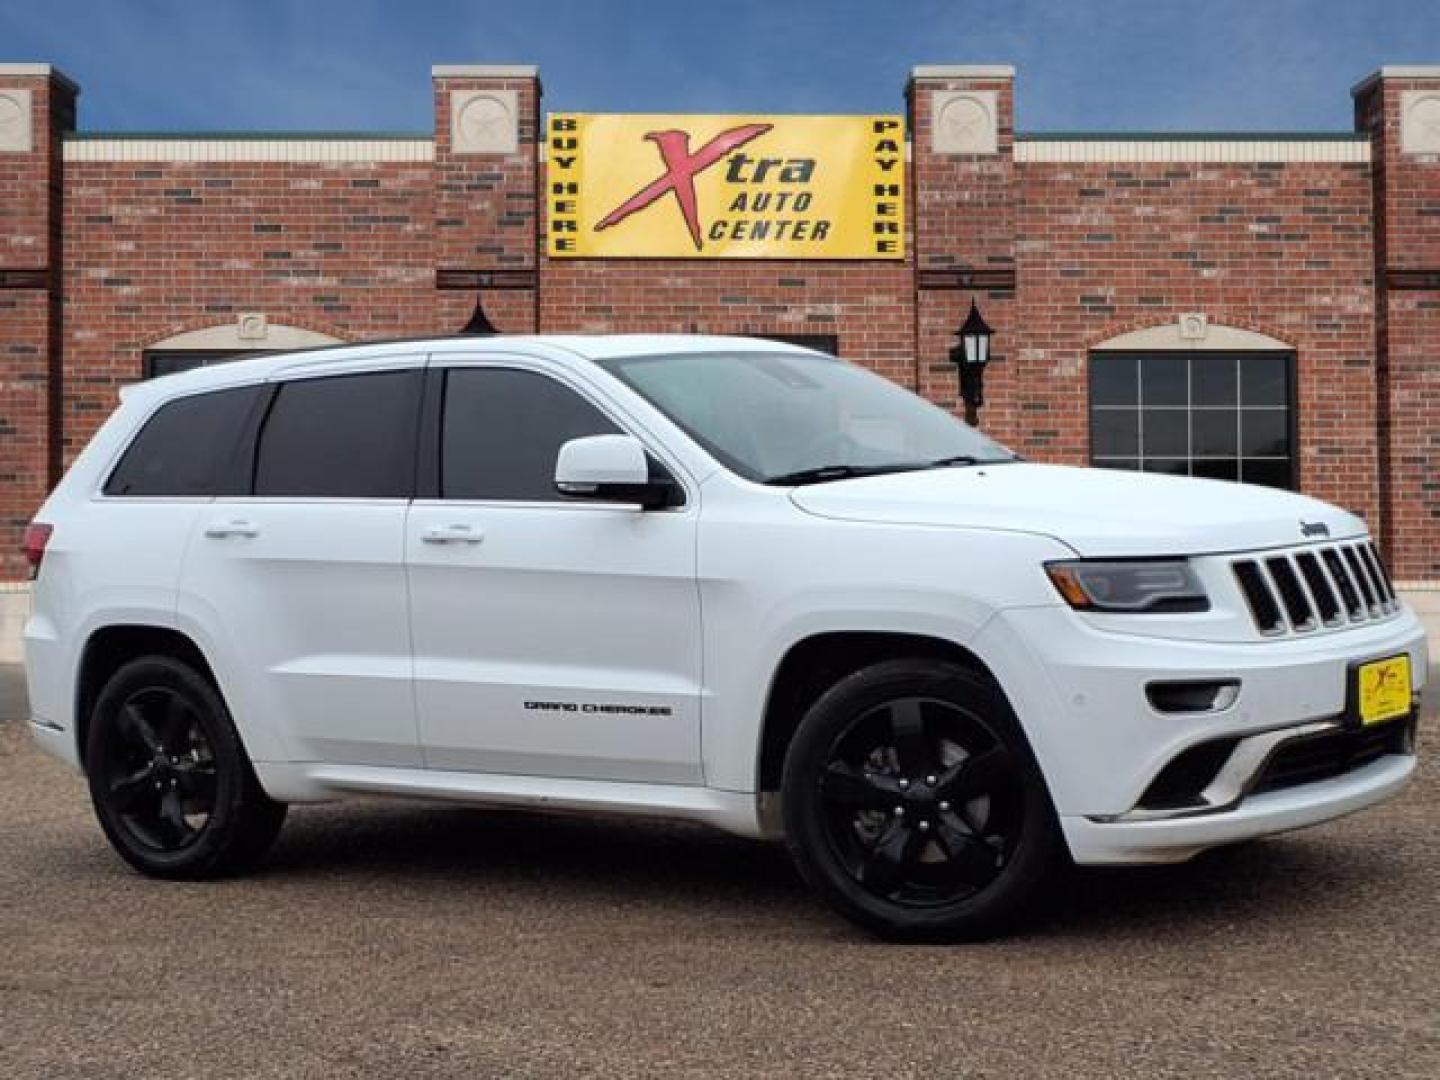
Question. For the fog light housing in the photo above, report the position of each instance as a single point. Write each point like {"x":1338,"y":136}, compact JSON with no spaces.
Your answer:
{"x":1192,"y":695}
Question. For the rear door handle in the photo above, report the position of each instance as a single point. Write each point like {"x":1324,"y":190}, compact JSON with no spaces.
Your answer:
{"x":452,"y":534}
{"x":220,"y":530}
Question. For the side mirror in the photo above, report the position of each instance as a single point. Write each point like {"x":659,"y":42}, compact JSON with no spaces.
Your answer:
{"x":611,"y":468}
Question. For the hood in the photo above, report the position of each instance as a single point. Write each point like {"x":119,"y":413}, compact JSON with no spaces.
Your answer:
{"x":1097,"y":512}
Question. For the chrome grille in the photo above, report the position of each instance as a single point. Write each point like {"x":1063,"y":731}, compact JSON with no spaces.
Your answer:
{"x":1341,"y":577}
{"x":1331,"y":585}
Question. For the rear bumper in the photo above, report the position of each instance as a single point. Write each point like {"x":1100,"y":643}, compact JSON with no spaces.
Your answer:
{"x":1094,"y":843}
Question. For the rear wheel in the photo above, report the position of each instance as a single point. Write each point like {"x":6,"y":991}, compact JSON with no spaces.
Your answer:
{"x":913,"y":803}
{"x":169,"y":780}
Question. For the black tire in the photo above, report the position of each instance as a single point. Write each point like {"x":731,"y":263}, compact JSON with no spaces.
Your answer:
{"x":867,"y":817}
{"x":171,"y":784}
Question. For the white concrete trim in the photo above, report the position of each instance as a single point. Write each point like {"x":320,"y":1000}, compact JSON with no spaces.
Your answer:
{"x":964,"y":122}
{"x":1420,"y":121}
{"x":220,"y":149}
{"x":228,"y":336}
{"x":1180,"y":149}
{"x":40,"y":71}
{"x":484,"y":121}
{"x":14,"y":610}
{"x":17,"y":124}
{"x":485,"y":71}
{"x":963,"y":71}
{"x":1397,"y":71}
{"x":1167,"y":336}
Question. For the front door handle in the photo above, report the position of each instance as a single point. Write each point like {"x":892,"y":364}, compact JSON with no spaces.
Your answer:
{"x":452,"y":534}
{"x":220,"y":530}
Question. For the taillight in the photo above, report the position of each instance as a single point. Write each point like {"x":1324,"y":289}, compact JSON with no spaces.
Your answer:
{"x":37,"y":535}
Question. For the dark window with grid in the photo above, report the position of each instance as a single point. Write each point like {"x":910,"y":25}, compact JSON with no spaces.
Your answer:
{"x":156,"y":362}
{"x":1220,"y":416}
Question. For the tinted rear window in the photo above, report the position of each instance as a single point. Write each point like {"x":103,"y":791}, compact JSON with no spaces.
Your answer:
{"x":345,"y":436}
{"x":187,"y":448}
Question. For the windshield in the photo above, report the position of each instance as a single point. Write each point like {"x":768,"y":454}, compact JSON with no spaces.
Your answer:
{"x":780,"y":417}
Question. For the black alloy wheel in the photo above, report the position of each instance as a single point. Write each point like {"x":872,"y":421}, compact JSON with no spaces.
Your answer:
{"x":913,"y":803}
{"x":169,"y":780}
{"x":922,"y":801}
{"x":159,"y":775}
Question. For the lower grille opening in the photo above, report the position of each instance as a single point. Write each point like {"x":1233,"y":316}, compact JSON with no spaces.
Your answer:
{"x":1303,"y":760}
{"x":1189,"y":773}
{"x":1323,"y":757}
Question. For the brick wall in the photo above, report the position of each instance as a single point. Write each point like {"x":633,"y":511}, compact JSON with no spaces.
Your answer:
{"x":965,"y":231}
{"x":31,"y":255}
{"x":486,"y":206}
{"x":1407,"y":258}
{"x":1282,"y":249}
{"x":868,"y":306}
{"x":1061,"y":256}
{"x":158,"y":248}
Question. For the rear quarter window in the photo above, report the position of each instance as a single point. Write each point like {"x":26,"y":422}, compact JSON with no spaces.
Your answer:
{"x":341,"y":436}
{"x":187,"y":448}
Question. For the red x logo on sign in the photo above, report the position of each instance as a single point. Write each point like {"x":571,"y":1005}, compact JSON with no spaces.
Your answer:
{"x":681,"y":168}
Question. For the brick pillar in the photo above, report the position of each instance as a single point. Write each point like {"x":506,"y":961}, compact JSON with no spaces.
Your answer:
{"x":487,"y":123}
{"x":37,"y":105}
{"x":1400,"y":108}
{"x":963,"y":209}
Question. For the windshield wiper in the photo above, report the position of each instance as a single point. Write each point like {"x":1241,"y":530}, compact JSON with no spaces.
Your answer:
{"x":969,"y":459}
{"x":823,"y":473}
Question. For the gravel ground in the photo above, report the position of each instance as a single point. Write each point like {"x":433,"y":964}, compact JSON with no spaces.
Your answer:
{"x":395,"y":939}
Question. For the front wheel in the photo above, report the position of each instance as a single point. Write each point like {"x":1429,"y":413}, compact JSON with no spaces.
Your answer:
{"x":169,"y":780}
{"x":913,"y":804}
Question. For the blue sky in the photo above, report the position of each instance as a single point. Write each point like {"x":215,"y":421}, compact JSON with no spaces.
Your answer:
{"x":364,"y":64}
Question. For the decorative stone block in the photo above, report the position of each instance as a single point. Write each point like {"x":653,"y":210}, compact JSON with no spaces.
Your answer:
{"x":1194,"y":326}
{"x":965,"y":122}
{"x":1420,"y":122}
{"x":484,"y":122}
{"x":252,"y":326}
{"x":16,"y":128}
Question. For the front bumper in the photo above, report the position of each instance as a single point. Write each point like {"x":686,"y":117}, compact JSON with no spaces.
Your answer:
{"x":1080,"y":693}
{"x":1094,"y":843}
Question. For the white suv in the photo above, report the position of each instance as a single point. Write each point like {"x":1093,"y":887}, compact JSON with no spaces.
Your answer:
{"x":716,"y":579}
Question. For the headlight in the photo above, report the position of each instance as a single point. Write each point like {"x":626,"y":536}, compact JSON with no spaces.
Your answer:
{"x":1132,"y":586}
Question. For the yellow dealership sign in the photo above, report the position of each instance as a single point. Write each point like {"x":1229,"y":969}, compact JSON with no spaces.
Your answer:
{"x":726,"y":187}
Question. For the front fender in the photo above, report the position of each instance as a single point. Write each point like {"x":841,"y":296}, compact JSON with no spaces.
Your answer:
{"x":833,"y":577}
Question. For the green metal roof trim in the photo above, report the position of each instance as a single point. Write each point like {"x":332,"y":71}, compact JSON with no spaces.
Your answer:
{"x":251,"y":136}
{"x":1191,"y":136}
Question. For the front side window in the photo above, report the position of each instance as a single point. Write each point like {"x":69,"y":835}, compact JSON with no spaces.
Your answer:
{"x":778,"y":417}
{"x":1220,"y":416}
{"x":341,"y":436}
{"x":503,"y":429}
{"x":186,"y":448}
